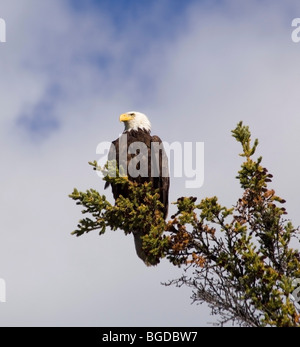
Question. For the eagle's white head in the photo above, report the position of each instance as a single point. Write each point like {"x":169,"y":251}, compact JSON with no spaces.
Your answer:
{"x":135,"y":121}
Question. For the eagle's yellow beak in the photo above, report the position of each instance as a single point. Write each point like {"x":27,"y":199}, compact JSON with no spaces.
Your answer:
{"x":125,"y":117}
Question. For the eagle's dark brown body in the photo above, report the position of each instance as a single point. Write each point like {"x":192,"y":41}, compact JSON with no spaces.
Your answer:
{"x":153,"y":158}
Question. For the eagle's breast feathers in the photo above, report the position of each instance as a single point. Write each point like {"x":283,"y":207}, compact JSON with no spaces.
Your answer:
{"x":144,"y":159}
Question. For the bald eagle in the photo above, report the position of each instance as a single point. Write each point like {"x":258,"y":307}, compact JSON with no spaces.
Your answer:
{"x":144,"y":158}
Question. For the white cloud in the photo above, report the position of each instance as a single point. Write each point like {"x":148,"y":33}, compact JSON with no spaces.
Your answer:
{"x":222,"y":66}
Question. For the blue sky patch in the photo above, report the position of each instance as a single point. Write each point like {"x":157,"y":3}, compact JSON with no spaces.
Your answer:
{"x":39,"y":121}
{"x":153,"y":17}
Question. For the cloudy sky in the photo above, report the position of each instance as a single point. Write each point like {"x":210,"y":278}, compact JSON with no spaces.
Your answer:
{"x":67,"y":71}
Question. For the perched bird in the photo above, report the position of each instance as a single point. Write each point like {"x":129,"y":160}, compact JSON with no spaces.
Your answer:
{"x":144,"y":159}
